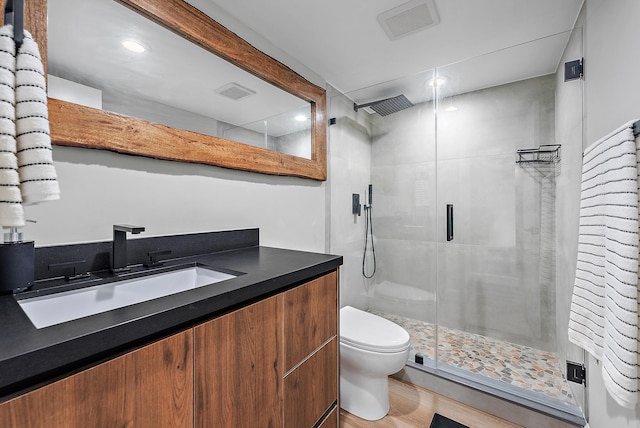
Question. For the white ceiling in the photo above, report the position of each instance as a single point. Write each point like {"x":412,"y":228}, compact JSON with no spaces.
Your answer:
{"x":342,"y":41}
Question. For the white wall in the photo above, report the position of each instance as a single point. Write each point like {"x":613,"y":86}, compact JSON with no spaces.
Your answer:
{"x":612,"y":64}
{"x":612,"y":97}
{"x":101,"y":188}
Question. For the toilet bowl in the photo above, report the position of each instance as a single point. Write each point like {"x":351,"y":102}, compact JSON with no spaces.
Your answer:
{"x":371,"y":349}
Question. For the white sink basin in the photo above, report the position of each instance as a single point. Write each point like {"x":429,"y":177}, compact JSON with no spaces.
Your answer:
{"x":45,"y":311}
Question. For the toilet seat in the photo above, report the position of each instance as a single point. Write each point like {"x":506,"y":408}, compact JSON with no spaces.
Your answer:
{"x":370,"y":332}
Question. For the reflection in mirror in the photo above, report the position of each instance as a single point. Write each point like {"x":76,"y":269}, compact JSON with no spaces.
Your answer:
{"x":288,"y":132}
{"x":166,"y":79}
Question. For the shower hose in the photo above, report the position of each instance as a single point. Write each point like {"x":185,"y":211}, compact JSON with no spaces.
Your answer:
{"x":368,"y":231}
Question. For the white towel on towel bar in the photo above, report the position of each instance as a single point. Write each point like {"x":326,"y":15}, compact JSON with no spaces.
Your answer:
{"x":38,"y":179}
{"x":604,"y":307}
{"x":11,"y":211}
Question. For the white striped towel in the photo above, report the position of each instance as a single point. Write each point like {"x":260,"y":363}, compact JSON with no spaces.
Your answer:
{"x":38,"y":179}
{"x":11,"y":211}
{"x":604,"y":307}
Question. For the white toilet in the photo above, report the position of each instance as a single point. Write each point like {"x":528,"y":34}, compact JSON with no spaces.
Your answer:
{"x":371,"y":349}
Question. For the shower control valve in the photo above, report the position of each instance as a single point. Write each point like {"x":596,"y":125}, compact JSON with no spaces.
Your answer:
{"x":356,"y":208}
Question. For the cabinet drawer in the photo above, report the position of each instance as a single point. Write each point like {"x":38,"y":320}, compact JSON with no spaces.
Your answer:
{"x":311,"y":388}
{"x":310,"y":318}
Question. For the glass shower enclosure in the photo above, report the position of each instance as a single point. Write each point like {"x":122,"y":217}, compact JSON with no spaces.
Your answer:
{"x":465,"y":225}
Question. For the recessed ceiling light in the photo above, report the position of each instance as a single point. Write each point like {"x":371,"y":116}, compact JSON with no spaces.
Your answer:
{"x":437,"y":81}
{"x":134,"y":46}
{"x":301,"y":118}
{"x":452,"y":108}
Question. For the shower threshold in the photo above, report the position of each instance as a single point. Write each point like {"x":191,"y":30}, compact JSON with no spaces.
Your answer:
{"x":525,"y":376}
{"x":517,"y":406}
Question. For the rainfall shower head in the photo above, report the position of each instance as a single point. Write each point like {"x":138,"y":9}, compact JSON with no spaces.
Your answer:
{"x":387,"y":106}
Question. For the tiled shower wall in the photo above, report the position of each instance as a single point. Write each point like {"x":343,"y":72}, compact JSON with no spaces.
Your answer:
{"x":489,"y":276}
{"x":349,"y":171}
{"x":403,"y":175}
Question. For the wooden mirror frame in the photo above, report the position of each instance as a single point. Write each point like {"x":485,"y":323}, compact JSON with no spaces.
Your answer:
{"x":80,"y":126}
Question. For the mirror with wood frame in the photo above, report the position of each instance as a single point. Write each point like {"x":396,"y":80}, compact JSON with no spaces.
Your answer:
{"x":78,"y":125}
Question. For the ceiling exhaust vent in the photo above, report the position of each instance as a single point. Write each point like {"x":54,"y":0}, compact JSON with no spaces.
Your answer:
{"x":234,"y":91}
{"x":409,"y":18}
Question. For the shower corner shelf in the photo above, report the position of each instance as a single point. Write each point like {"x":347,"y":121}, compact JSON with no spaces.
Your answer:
{"x":546,"y":153}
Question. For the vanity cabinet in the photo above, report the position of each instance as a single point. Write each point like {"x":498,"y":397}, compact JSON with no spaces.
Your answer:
{"x":270,"y":364}
{"x":148,"y":387}
{"x":238,"y":368}
{"x":311,"y":351}
{"x":273,"y":363}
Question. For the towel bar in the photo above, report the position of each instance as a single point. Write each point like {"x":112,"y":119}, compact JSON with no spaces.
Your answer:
{"x":14,"y":14}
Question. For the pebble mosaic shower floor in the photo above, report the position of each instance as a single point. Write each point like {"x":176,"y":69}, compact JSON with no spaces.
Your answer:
{"x":521,"y":366}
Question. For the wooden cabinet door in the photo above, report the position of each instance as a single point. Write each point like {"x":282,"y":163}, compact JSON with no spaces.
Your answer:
{"x":238,"y":370}
{"x":312,"y":388}
{"x":149,"y":387}
{"x":310,"y":318}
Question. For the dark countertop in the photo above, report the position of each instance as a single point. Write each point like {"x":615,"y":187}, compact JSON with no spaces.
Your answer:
{"x":30,"y":356}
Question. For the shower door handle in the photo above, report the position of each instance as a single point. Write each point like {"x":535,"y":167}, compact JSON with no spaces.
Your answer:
{"x":449,"y":222}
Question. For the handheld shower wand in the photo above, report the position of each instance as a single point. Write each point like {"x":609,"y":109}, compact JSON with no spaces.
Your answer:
{"x":368,"y":230}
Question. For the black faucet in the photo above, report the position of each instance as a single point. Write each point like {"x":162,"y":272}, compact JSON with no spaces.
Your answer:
{"x":119,"y":254}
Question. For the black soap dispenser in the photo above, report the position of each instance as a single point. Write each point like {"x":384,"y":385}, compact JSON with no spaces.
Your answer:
{"x":17,"y":261}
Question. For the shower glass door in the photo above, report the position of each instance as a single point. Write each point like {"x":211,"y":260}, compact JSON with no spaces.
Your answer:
{"x":497,"y":309}
{"x":403,"y":176}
